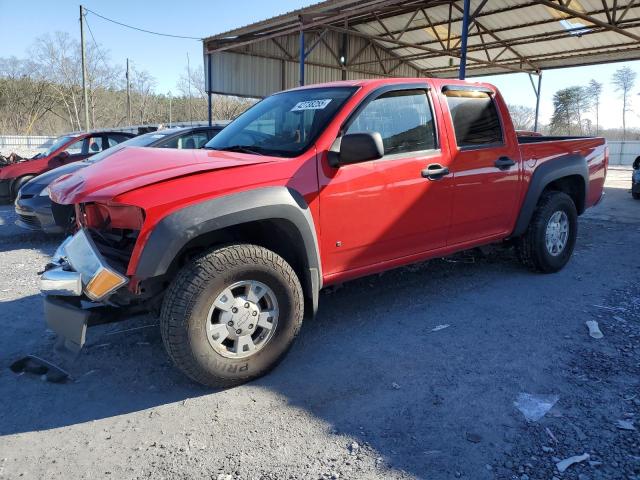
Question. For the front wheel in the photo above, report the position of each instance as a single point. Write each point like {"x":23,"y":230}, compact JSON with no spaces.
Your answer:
{"x":548,"y":243}
{"x":231,"y":314}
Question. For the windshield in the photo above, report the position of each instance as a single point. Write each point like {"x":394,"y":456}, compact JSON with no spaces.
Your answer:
{"x":59,"y":142}
{"x":139,"y":141}
{"x":284,"y":124}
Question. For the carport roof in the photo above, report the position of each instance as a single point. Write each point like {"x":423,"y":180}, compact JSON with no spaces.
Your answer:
{"x":504,"y":35}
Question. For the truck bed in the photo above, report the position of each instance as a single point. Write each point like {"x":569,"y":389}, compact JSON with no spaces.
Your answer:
{"x":536,"y":150}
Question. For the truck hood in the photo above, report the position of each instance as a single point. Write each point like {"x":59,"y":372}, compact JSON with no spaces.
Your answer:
{"x":136,"y":167}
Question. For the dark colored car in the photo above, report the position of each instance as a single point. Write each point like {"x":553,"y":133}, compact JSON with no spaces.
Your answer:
{"x":65,"y":150}
{"x":34,"y":207}
{"x":635,"y":179}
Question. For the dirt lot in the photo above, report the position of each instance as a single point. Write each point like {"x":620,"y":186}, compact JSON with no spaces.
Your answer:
{"x":371,"y":390}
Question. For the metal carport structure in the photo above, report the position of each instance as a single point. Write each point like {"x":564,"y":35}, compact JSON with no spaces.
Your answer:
{"x":349,"y":39}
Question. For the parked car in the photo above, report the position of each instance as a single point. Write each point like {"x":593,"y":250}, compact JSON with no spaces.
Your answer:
{"x":65,"y":150}
{"x":635,"y":179}
{"x":33,"y":206}
{"x":307,"y":188}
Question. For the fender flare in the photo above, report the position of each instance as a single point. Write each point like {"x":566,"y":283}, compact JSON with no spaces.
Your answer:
{"x":177,"y":229}
{"x":567,"y":165}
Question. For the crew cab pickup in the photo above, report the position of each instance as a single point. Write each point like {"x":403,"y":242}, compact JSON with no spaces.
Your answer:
{"x":312,"y":186}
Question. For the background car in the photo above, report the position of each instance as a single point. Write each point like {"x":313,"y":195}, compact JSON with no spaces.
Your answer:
{"x":635,"y":179}
{"x":33,"y":206}
{"x":66,"y":149}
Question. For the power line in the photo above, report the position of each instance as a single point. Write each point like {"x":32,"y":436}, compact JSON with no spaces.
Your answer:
{"x":141,"y":29}
{"x":96,"y":43}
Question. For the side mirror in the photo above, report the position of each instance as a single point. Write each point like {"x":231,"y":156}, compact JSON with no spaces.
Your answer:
{"x":357,"y":147}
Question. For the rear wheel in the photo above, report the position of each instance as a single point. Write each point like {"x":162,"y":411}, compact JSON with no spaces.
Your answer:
{"x":231,"y":314}
{"x":548,"y":243}
{"x":18,"y":184}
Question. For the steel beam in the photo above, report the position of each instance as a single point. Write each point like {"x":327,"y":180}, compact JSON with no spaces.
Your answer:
{"x":302,"y":55}
{"x":209,"y":97}
{"x":535,"y":125}
{"x":463,"y":47}
{"x":588,"y":18}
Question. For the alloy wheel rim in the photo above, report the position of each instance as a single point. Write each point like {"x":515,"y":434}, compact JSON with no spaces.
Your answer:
{"x":242,"y":319}
{"x":557,"y":233}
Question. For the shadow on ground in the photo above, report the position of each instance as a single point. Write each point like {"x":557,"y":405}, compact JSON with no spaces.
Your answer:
{"x":372,"y":365}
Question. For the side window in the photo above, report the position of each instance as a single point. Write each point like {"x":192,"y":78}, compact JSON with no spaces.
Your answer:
{"x":475,"y":118}
{"x":75,"y":148}
{"x":403,"y":119}
{"x":114,"y":139}
{"x":193,"y":140}
{"x":187,"y":141}
{"x":94,"y":145}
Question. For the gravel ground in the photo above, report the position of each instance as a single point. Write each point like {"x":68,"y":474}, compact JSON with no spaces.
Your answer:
{"x":374,"y":388}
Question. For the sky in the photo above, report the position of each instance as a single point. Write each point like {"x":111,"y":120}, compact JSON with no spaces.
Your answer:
{"x":166,"y":58}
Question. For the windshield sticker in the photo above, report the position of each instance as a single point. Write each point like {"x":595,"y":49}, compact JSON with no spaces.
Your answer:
{"x":311,"y":105}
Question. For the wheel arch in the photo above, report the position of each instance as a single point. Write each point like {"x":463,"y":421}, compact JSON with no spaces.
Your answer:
{"x":277,"y":218}
{"x":568,"y":174}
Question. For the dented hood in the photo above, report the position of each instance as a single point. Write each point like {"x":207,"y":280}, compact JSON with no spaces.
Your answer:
{"x":135,"y":167}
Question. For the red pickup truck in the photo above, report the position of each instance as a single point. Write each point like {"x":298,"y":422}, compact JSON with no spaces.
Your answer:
{"x":309,"y":187}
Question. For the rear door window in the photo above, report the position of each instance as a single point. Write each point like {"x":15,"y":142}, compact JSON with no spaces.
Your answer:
{"x":475,"y":118}
{"x":403,"y":119}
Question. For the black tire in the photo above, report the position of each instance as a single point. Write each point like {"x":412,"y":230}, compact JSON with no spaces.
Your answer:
{"x":635,"y":195}
{"x":18,"y":184}
{"x":531,"y":246}
{"x":186,"y":307}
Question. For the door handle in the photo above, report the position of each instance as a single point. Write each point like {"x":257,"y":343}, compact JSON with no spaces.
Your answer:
{"x":435,"y":171}
{"x":504,"y":163}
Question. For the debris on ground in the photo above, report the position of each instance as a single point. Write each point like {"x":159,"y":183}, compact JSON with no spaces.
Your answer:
{"x":354,"y":448}
{"x":594,"y":329}
{"x":440,"y":327}
{"x":567,"y":462}
{"x":39,"y":366}
{"x":625,"y":425}
{"x":534,"y":407}
{"x":395,"y":386}
{"x":473,"y":437}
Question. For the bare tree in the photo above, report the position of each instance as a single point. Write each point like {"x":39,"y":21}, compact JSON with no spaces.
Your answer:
{"x":595,"y":91}
{"x":25,"y":98}
{"x":624,"y":80}
{"x":522,"y":117}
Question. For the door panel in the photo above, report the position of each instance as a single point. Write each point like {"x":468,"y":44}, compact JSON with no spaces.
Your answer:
{"x":486,"y":192}
{"x":385,"y":209}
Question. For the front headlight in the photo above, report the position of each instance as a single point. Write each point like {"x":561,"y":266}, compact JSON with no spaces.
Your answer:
{"x":98,"y":278}
{"x":44,"y":192}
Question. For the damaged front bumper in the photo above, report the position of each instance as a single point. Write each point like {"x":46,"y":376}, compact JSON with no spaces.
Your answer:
{"x":76,"y":281}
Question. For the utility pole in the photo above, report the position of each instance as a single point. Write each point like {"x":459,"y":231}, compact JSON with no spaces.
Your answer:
{"x":169,"y":108}
{"x":189,"y":86}
{"x":128,"y":95}
{"x":84,"y":71}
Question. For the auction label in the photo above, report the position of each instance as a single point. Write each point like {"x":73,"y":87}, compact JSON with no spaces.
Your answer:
{"x":311,"y":105}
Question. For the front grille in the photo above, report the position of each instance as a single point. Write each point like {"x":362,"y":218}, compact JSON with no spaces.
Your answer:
{"x":30,"y":220}
{"x":63,"y":215}
{"x":116,"y":245}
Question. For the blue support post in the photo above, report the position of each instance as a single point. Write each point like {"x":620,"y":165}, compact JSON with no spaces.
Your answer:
{"x":210,"y":106}
{"x":302,"y":56}
{"x":463,"y":46}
